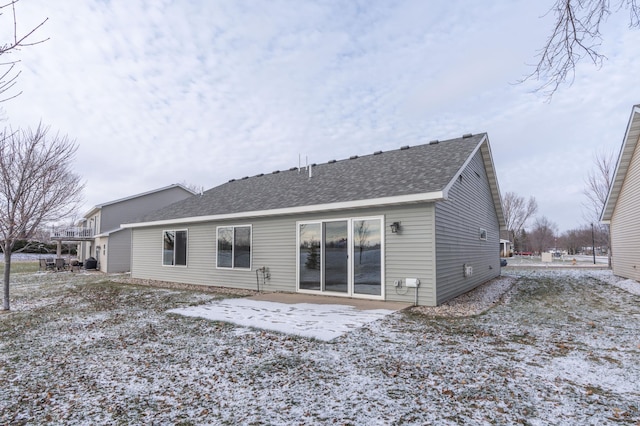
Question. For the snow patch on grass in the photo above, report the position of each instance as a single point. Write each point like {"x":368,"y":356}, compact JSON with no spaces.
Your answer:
{"x":323,"y":322}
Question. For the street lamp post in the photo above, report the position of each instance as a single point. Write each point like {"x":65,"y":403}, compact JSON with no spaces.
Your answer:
{"x":593,"y":244}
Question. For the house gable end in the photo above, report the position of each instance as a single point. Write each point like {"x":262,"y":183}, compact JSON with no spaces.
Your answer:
{"x":629,"y":143}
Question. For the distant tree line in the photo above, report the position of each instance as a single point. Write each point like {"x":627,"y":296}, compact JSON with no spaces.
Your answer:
{"x":543,"y":234}
{"x":33,"y":247}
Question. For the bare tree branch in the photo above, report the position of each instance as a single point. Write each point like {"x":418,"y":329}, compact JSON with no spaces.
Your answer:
{"x":597,"y":185}
{"x":37,"y":186}
{"x":543,"y":234}
{"x":8,"y":78}
{"x":517,"y":212}
{"x":576,"y":35}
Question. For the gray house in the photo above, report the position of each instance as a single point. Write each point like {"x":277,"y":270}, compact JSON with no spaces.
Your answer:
{"x":420,"y":223}
{"x":622,"y":208}
{"x":111,"y":244}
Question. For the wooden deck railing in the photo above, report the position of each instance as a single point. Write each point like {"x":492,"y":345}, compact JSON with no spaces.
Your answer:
{"x":71,"y":233}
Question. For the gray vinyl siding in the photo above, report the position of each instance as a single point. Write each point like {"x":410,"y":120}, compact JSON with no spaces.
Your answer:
{"x":119,"y":251}
{"x":411,"y":253}
{"x":113,"y":215}
{"x":458,"y":222}
{"x":624,"y":227}
{"x":408,"y":254}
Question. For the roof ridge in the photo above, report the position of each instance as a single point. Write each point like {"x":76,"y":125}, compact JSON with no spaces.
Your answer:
{"x":356,"y":157}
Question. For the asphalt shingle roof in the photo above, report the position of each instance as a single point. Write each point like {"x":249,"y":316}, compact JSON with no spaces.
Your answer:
{"x":406,"y":171}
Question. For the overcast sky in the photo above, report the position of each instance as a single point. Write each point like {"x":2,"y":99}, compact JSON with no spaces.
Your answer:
{"x":200,"y":92}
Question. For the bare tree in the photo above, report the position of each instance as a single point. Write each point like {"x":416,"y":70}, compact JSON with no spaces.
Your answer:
{"x":576,"y":241}
{"x":517,"y":212}
{"x":37,"y":186}
{"x":18,"y":40}
{"x":576,"y":35}
{"x":361,"y":236}
{"x":543,"y":234}
{"x":570,"y":241}
{"x":597,"y":185}
{"x":192,"y":187}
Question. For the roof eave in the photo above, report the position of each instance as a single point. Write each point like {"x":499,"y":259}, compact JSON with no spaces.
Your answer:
{"x":629,"y":144}
{"x":385,"y":201}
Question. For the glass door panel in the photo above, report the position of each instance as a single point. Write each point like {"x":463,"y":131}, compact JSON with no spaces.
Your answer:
{"x":310,"y":256}
{"x":367,"y":257}
{"x":336,"y":256}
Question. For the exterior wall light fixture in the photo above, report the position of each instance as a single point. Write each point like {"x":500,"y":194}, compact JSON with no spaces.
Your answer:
{"x":395,"y":227}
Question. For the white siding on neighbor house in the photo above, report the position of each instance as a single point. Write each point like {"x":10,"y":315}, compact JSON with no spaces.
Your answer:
{"x":409,"y":253}
{"x":84,"y":250}
{"x":625,"y":224}
{"x":101,"y":252}
{"x":87,"y":248}
{"x":459,"y":220}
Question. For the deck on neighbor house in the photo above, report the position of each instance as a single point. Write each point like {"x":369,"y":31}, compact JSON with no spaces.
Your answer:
{"x":72,"y":233}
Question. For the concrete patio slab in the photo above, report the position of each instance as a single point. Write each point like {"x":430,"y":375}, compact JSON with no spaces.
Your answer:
{"x":360,"y":304}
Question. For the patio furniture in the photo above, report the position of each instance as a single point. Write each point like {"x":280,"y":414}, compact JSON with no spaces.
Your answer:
{"x":50,"y":264}
{"x":74,"y":265}
{"x":61,"y":265}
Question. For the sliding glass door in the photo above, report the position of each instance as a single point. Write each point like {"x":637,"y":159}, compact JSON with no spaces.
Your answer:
{"x":336,"y":256}
{"x":341,"y":257}
{"x":367,"y":257}
{"x":310,"y":235}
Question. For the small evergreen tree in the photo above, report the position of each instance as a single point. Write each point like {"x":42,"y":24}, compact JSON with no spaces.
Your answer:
{"x":313,"y":257}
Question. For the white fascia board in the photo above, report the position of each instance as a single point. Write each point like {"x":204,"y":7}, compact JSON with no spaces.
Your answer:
{"x":107,"y":233}
{"x":625,"y":156}
{"x":375,"y":202}
{"x":92,"y":212}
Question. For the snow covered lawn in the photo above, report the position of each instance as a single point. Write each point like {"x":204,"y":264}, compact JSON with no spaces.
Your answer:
{"x":561,"y":347}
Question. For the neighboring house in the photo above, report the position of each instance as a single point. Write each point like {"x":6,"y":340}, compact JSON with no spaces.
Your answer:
{"x":363,"y":227}
{"x":622,"y":208}
{"x":505,"y":248}
{"x":111,"y":244}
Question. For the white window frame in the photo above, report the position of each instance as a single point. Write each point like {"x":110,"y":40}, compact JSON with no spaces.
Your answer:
{"x":350,"y":293}
{"x":233,"y":266}
{"x":186,"y":253}
{"x":483,"y":234}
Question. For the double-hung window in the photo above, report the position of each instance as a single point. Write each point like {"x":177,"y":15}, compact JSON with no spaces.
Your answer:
{"x":174,"y":250}
{"x":234,"y":247}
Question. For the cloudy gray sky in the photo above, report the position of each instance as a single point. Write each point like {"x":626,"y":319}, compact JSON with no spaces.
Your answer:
{"x":200,"y":92}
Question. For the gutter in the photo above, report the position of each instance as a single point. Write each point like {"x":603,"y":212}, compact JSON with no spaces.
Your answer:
{"x":375,"y":202}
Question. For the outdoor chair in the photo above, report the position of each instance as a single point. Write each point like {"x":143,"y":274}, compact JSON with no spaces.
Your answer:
{"x":50,"y":264}
{"x":60,"y":264}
